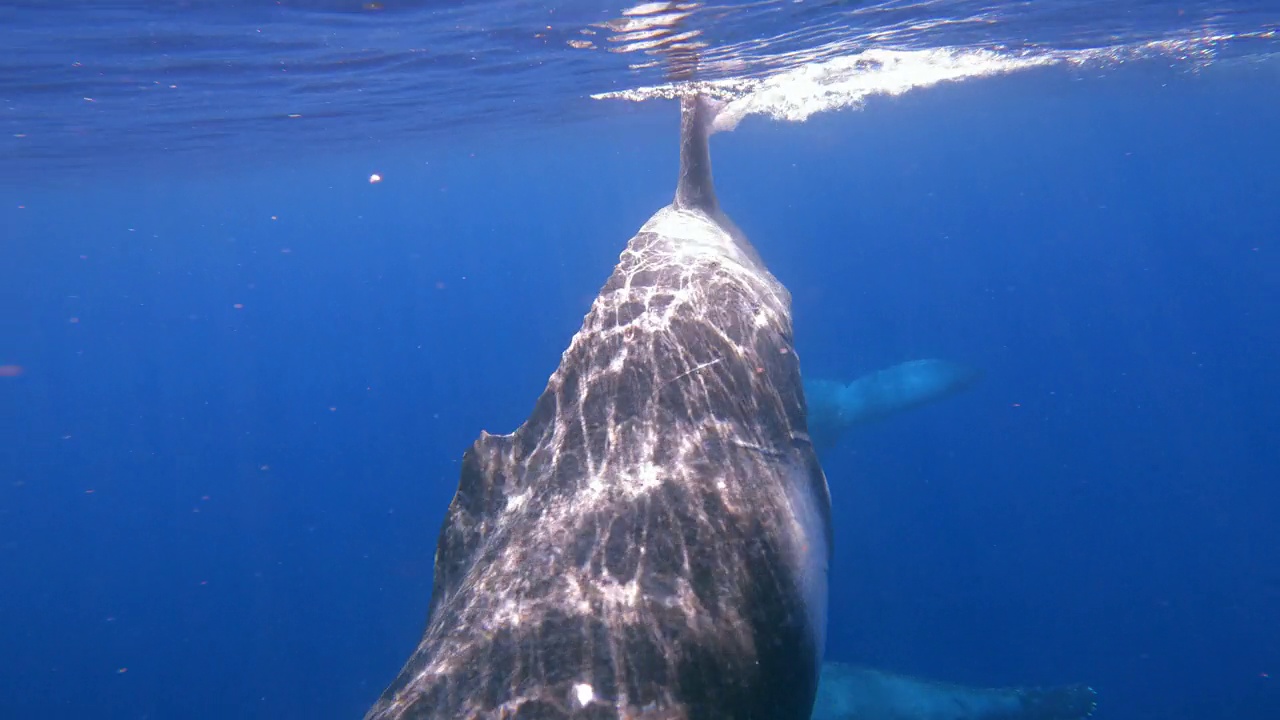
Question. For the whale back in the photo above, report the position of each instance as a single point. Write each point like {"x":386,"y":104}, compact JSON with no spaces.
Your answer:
{"x":652,"y":541}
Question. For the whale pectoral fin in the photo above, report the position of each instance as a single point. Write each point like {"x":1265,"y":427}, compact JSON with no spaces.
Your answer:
{"x":834,"y":407}
{"x":487,"y":478}
{"x":1065,"y":702}
{"x":850,"y":692}
{"x":823,"y":412}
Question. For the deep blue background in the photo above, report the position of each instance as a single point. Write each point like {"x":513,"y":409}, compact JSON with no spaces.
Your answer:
{"x":240,"y":505}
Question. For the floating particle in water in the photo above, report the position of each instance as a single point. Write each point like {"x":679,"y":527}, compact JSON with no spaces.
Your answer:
{"x":10,"y":370}
{"x":375,"y":178}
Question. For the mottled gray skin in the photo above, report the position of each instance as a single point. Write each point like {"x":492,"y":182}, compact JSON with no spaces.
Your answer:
{"x":652,"y":541}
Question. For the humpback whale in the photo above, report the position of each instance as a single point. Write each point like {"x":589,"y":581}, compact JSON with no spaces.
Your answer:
{"x":835,"y":407}
{"x":653,"y":541}
{"x":849,"y":692}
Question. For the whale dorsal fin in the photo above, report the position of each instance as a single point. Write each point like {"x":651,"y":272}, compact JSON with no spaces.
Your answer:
{"x":489,"y":476}
{"x":695,"y":190}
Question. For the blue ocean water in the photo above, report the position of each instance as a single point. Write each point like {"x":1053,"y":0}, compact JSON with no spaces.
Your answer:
{"x":237,"y":376}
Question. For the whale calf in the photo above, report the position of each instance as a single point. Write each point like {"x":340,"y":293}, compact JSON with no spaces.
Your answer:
{"x":653,"y":541}
{"x":850,"y":692}
{"x":834,"y":407}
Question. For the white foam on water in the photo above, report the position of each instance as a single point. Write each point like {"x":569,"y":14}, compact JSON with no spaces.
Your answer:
{"x":846,"y":81}
{"x":842,"y":82}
